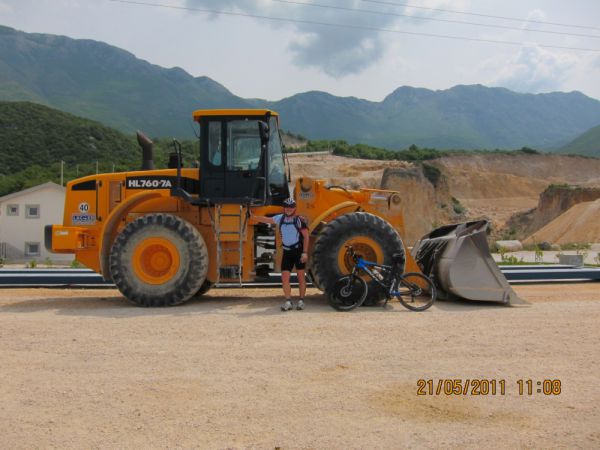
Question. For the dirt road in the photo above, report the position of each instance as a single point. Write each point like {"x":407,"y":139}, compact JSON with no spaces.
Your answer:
{"x":84,"y":369}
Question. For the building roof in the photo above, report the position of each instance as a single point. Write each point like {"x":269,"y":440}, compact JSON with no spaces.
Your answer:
{"x":32,"y":189}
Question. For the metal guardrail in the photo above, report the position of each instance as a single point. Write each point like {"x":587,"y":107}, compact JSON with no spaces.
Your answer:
{"x":88,"y":278}
{"x":549,"y":274}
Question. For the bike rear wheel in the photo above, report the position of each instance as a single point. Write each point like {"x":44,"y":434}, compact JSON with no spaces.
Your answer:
{"x":347,"y":293}
{"x":417,"y":292}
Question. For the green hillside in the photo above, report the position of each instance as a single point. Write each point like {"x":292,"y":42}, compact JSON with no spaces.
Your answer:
{"x":586,"y":144}
{"x":101,"y":82}
{"x":104,"y":83}
{"x":34,"y":139}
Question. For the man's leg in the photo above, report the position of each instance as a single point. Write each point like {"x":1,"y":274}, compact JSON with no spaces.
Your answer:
{"x":285,"y":280}
{"x":301,"y":282}
{"x":287,"y":290}
{"x":301,"y":287}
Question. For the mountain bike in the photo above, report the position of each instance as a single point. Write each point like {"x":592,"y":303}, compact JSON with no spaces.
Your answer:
{"x":414,"y":290}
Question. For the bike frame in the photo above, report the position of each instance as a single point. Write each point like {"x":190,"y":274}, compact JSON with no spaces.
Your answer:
{"x":366,"y":266}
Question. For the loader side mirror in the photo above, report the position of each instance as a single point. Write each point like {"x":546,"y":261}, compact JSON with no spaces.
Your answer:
{"x":263,"y":129}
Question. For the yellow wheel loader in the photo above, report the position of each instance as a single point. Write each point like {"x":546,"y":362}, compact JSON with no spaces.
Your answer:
{"x":165,"y":236}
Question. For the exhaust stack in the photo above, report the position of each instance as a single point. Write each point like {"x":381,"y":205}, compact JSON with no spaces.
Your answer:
{"x":147,"y":153}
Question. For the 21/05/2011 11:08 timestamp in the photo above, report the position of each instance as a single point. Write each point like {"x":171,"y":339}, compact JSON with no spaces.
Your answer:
{"x":483,"y":386}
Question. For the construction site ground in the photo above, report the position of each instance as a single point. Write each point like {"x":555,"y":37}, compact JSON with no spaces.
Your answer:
{"x":85,"y":369}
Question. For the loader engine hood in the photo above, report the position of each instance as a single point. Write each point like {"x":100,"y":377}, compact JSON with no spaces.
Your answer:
{"x":458,"y":259}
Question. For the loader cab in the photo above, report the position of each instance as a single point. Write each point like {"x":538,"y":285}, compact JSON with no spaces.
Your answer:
{"x":241,"y":157}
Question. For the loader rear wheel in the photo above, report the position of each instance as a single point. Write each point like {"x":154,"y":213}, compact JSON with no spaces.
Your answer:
{"x":371,"y":237}
{"x":206,"y":286}
{"x":159,"y":260}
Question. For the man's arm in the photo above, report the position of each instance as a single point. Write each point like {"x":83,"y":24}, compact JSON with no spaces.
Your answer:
{"x":304,"y":256}
{"x":261,"y":219}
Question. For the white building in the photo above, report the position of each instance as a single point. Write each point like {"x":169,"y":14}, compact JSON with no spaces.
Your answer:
{"x":23,"y":216}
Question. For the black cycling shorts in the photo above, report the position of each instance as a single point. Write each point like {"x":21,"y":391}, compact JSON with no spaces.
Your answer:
{"x":291,"y":258}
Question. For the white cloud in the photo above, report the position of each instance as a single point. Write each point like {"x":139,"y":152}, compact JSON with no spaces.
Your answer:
{"x":532,"y":69}
{"x":336,"y":51}
{"x":536,"y":15}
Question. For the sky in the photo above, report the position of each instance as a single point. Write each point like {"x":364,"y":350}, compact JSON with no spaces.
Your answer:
{"x":272,"y":49}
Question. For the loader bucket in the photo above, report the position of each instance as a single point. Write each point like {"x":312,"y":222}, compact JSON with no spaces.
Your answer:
{"x":458,"y":259}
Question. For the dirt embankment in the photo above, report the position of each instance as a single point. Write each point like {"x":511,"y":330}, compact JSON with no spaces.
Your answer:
{"x":553,"y":202}
{"x":551,"y":169}
{"x":498,"y":186}
{"x":425,"y":198}
{"x":579,"y":224}
{"x":491,"y":186}
{"x":337,"y":170}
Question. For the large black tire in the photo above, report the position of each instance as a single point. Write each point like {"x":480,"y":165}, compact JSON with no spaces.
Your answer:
{"x":159,"y":260}
{"x":351,"y":229}
{"x":417,"y":291}
{"x":347,"y":293}
{"x":206,"y":286}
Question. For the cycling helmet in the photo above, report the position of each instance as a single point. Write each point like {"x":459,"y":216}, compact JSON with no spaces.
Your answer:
{"x":289,"y":203}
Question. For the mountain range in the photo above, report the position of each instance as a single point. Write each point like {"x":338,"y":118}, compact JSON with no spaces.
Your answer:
{"x":104,"y":83}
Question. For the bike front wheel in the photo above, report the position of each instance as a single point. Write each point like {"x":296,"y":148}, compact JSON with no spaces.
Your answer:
{"x":417,"y":291}
{"x":347,"y":293}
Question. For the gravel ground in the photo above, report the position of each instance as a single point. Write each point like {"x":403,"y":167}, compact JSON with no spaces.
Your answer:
{"x":84,"y":369}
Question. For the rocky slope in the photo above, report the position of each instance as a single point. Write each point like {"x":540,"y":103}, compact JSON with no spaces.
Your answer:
{"x":553,"y":202}
{"x":499,"y":186}
{"x":579,"y":224}
{"x":495,"y":187}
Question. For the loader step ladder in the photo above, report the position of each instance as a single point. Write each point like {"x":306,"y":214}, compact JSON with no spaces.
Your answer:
{"x":229,"y":225}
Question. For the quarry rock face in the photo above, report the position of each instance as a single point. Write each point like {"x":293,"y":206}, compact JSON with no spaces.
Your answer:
{"x":510,"y":190}
{"x":553,"y":202}
{"x":425,"y":199}
{"x":580,"y":224}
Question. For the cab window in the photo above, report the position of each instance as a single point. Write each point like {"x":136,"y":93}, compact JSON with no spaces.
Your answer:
{"x":243,"y":145}
{"x":214,"y":143}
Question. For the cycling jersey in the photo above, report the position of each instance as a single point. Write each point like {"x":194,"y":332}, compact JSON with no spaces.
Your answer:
{"x":290,"y":230}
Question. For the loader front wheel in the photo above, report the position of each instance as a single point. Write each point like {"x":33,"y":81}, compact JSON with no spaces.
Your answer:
{"x":159,"y":260}
{"x":371,"y":237}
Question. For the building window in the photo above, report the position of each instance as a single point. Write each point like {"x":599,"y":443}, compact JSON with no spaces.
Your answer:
{"x":32,"y":249}
{"x":32,"y":211}
{"x":12,"y":210}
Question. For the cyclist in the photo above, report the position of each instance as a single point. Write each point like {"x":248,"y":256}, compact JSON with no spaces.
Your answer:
{"x":294,"y":238}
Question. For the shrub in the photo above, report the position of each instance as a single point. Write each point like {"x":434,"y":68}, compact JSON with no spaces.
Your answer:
{"x":458,"y":207}
{"x":432,"y":173}
{"x":529,"y":151}
{"x":510,"y":259}
{"x":539,"y":254}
